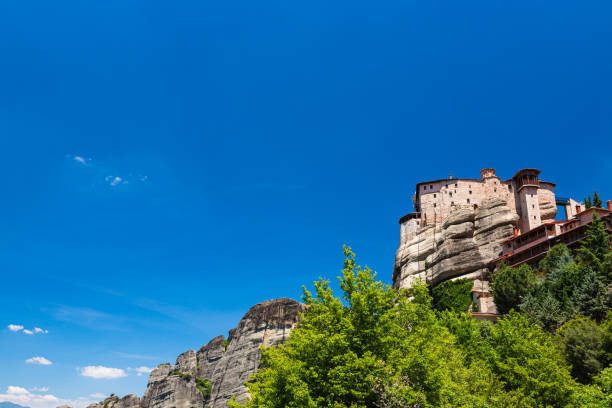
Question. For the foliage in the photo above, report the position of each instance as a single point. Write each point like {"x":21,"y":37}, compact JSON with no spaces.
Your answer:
{"x":184,"y":376}
{"x":595,"y":250}
{"x":511,"y":285}
{"x":597,"y":202}
{"x":581,"y":342}
{"x":587,"y":202}
{"x":203,"y":385}
{"x":527,"y":360}
{"x":453,"y":295}
{"x":599,"y":394}
{"x":374,"y":347}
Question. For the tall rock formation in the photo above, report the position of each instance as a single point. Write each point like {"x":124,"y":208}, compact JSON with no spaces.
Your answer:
{"x":210,"y":377}
{"x":464,"y":246}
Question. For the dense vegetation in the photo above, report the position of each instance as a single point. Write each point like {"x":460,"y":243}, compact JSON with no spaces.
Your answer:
{"x":380,"y":347}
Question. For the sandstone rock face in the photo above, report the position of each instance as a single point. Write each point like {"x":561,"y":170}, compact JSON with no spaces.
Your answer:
{"x":129,"y":401}
{"x":464,"y":246}
{"x":227,"y":364}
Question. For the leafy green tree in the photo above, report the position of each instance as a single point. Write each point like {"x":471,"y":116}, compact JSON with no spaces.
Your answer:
{"x":581,"y":342}
{"x":372,"y":348}
{"x":599,"y":394}
{"x":511,"y":285}
{"x":527,"y":361}
{"x":597,"y":202}
{"x":453,"y":295}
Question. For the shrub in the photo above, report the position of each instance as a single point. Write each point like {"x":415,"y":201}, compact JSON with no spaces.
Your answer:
{"x":511,"y":285}
{"x":453,"y":295}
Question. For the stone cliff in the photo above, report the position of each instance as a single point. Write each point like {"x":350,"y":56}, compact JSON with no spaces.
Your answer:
{"x":211,"y":376}
{"x":464,"y":246}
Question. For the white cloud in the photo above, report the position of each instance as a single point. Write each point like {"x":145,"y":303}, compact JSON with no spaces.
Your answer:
{"x":140,"y":370}
{"x":39,"y":330}
{"x":15,"y":327}
{"x":26,"y":331}
{"x":82,"y":160}
{"x":13,"y":390}
{"x":21,"y":396}
{"x":98,"y":395}
{"x":101,"y":372}
{"x":39,"y":389}
{"x":38,"y":360}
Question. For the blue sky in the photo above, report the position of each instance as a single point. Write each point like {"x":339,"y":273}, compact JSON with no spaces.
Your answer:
{"x":167,"y":165}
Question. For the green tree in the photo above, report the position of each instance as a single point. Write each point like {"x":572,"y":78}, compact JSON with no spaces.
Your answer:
{"x":595,"y":249}
{"x":597,"y":202}
{"x":511,"y":285}
{"x":587,"y":202}
{"x":453,"y":295}
{"x":543,"y":309}
{"x":371,"y":348}
{"x":527,"y":361}
{"x":581,"y":342}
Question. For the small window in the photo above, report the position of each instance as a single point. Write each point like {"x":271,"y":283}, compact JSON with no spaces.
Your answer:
{"x":534,"y":217}
{"x":532,"y":196}
{"x":452,"y":203}
{"x":495,"y":190}
{"x":424,"y":187}
{"x":434,"y":196}
{"x":455,"y":184}
{"x":450,"y":194}
{"x":509,"y":187}
{"x":532,"y":205}
{"x":468,"y":200}
{"x":435,"y":205}
{"x":470,"y":191}
{"x":431,"y":186}
{"x":475,"y":206}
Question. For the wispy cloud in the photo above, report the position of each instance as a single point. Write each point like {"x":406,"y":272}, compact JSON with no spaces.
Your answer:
{"x":39,"y":389}
{"x":140,"y":370}
{"x":86,"y":317}
{"x":19,"y":328}
{"x":97,"y":395}
{"x":39,"y":361}
{"x":135,"y":356}
{"x":102,"y":372}
{"x":81,"y":160}
{"x":112,"y":177}
{"x":115,"y":180}
{"x":21,"y":396}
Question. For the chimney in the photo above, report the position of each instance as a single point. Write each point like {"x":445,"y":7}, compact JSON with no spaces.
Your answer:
{"x":578,"y":209}
{"x":609,"y":202}
{"x":516,"y":232}
{"x":450,"y":176}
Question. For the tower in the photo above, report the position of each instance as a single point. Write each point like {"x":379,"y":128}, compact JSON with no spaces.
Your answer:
{"x":526,"y":185}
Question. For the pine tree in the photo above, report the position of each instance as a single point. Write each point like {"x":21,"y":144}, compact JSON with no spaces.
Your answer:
{"x":597,"y":202}
{"x":595,"y":249}
{"x":587,"y":202}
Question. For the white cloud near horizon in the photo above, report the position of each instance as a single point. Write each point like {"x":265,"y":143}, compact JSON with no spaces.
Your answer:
{"x":39,"y":361}
{"x":102,"y":372}
{"x":26,"y":331}
{"x":21,"y":396}
{"x":141,"y":370}
{"x":39,"y":389}
{"x":41,"y":331}
{"x":15,"y":327}
{"x":98,"y":395}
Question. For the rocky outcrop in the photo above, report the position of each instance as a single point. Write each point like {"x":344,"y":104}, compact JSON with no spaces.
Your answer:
{"x":211,"y":376}
{"x":465,"y":245}
{"x":129,"y":401}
